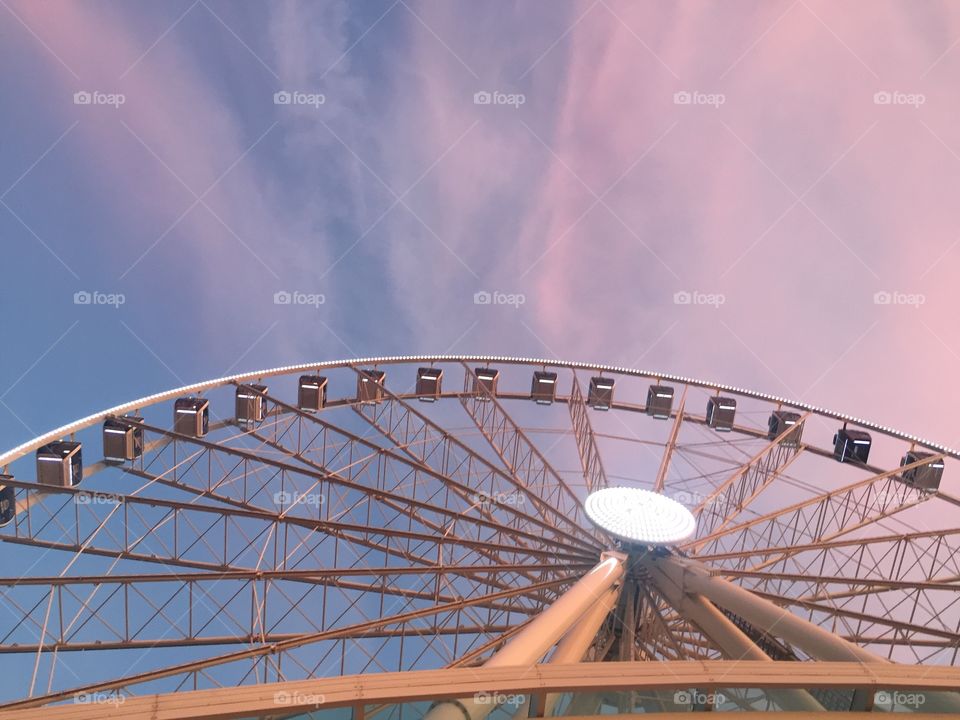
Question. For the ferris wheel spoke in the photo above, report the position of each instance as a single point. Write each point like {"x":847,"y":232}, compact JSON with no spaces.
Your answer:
{"x":655,"y":636}
{"x":896,"y":640}
{"x":521,"y":540}
{"x":864,"y":621}
{"x":910,"y":615}
{"x":824,"y":517}
{"x":412,"y":473}
{"x":699,"y":479}
{"x":594,"y":476}
{"x":915,"y":576}
{"x":431,"y":445}
{"x":416,"y":476}
{"x":355,"y":630}
{"x":197,"y":537}
{"x":692,"y":643}
{"x":702,"y":629}
{"x":292,"y":482}
{"x":519,"y":455}
{"x":918,"y":571}
{"x":472,"y":656}
{"x":150,"y":448}
{"x":731,"y":497}
{"x":813,"y":587}
{"x":411,"y":546}
{"x":99,"y":613}
{"x":926,"y":545}
{"x":670,"y":445}
{"x":425,"y":550}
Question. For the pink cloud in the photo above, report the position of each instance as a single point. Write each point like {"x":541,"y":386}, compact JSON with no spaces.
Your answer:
{"x":707,"y":209}
{"x":708,"y":199}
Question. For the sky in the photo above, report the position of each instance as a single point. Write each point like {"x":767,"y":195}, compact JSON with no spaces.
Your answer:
{"x":756,"y":193}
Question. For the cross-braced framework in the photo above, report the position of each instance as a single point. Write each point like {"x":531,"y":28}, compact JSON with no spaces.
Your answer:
{"x":402,"y":514}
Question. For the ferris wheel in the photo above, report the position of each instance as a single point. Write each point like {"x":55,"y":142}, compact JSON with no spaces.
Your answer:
{"x":463,"y":537}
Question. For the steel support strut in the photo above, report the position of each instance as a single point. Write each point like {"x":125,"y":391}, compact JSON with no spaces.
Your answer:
{"x":594,"y":476}
{"x":719,"y":628}
{"x":530,"y":644}
{"x":573,"y":647}
{"x":691,"y":577}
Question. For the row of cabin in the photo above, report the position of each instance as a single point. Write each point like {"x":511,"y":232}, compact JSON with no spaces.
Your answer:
{"x":60,"y":463}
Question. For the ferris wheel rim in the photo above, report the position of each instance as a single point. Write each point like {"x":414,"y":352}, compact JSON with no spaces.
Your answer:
{"x":480,"y":405}
{"x":19,"y":451}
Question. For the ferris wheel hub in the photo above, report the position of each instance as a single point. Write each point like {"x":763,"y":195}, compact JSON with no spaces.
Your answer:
{"x":640,"y":516}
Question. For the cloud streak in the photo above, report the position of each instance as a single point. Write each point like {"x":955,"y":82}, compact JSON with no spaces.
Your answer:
{"x":599,"y":198}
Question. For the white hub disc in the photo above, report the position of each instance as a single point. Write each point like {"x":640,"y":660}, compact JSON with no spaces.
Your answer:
{"x":640,"y":516}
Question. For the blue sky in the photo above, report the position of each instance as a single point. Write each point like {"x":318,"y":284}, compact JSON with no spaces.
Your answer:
{"x":780,"y":210}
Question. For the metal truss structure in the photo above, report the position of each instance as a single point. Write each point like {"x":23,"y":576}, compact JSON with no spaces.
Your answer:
{"x":400,"y":527}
